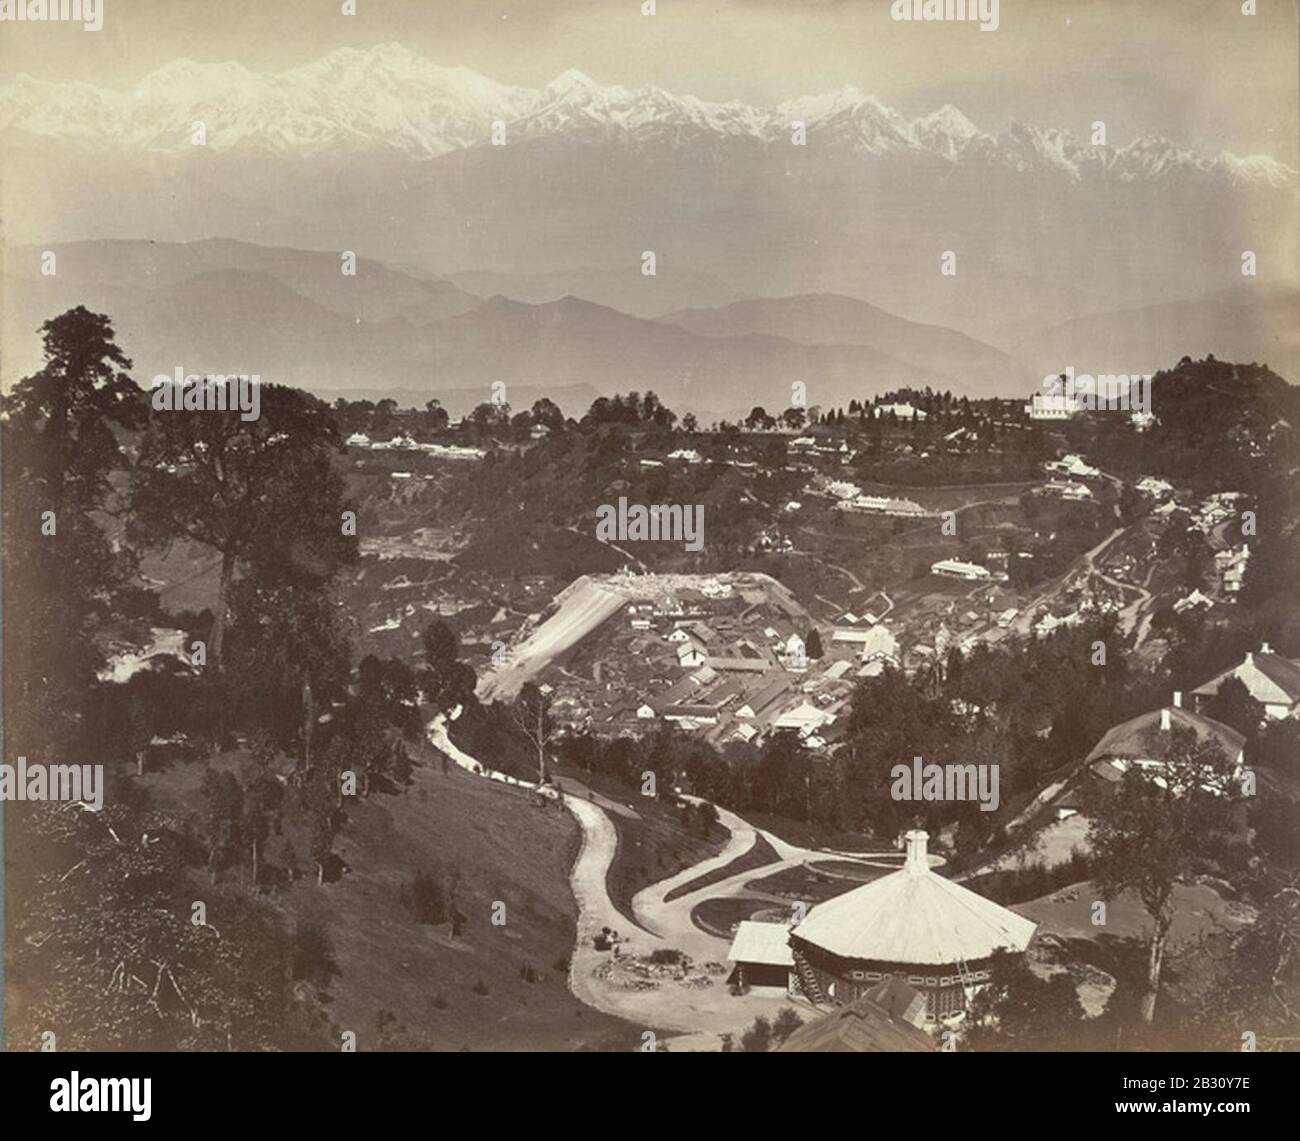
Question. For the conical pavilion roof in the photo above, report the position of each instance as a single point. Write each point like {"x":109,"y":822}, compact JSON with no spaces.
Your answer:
{"x":914,"y":916}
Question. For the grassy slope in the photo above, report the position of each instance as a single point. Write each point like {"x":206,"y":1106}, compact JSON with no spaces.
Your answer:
{"x":505,"y":848}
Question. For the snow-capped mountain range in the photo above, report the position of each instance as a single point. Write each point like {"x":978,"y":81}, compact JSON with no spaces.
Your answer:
{"x":388,"y":99}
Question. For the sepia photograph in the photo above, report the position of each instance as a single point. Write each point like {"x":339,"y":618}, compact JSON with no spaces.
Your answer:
{"x":600,"y":527}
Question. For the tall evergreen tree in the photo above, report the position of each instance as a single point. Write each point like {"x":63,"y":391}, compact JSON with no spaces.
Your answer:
{"x":64,"y":579}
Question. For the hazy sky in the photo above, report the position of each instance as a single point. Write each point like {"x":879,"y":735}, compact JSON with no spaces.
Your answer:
{"x":1197,"y":71}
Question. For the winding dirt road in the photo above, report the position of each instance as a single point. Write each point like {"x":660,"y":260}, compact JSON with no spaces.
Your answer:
{"x":696,"y":1016}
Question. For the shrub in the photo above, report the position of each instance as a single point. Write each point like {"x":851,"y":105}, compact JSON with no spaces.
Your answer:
{"x":758,"y":1038}
{"x":313,"y":954}
{"x":785,"y":1024}
{"x":425,"y":899}
{"x":667,"y":956}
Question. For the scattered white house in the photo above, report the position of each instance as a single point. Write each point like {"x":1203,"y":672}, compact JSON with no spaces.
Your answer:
{"x":1156,"y":488}
{"x":1049,"y":622}
{"x":452,"y":451}
{"x":789,"y":647}
{"x":792,"y":646}
{"x":1144,"y":741}
{"x":902,"y":411}
{"x":884,"y":505}
{"x":686,"y":455}
{"x":1073,"y":465}
{"x":1215,"y":509}
{"x":1068,"y":490}
{"x":956,"y":568}
{"x":690,"y":656}
{"x":1192,"y":601}
{"x":803,"y":718}
{"x":1232,"y":567}
{"x":765,"y":702}
{"x":1271,"y":679}
{"x":358,"y":440}
{"x":880,"y":645}
{"x":842,"y":634}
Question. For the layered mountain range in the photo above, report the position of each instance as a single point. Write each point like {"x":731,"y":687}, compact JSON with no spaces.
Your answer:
{"x":291,"y":316}
{"x":884,"y":251}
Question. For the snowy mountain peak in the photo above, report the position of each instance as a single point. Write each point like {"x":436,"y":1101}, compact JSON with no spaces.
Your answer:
{"x":571,"y":80}
{"x":949,"y":120}
{"x":388,"y":98}
{"x":183,"y":75}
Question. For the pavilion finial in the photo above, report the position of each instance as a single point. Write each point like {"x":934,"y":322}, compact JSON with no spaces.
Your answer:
{"x":916,"y":858}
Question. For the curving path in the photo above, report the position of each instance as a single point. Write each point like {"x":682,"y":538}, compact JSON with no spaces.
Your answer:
{"x":671,"y":919}
{"x":697,"y":1016}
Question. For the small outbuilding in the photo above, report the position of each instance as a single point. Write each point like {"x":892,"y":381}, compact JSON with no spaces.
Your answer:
{"x":761,"y":952}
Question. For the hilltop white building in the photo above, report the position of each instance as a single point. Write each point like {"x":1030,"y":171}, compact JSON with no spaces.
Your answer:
{"x":902,"y":411}
{"x":1051,"y":406}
